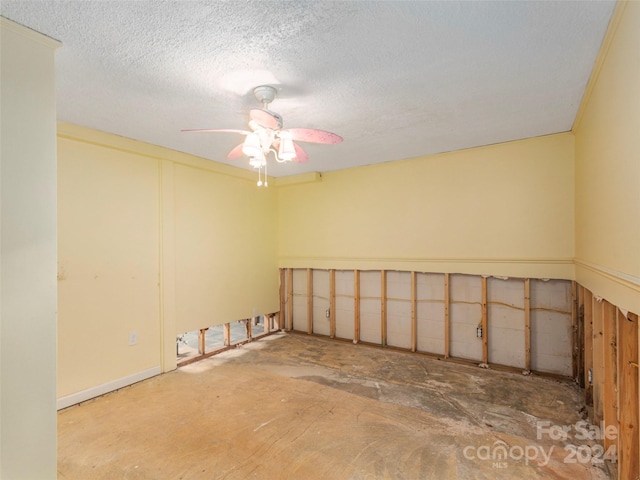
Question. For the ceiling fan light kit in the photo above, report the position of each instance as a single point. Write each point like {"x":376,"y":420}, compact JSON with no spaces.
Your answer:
{"x":251,"y":146}
{"x":286,"y":151}
{"x":267,"y":136}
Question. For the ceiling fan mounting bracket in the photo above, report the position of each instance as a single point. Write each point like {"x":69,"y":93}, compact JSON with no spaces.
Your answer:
{"x":265,"y":94}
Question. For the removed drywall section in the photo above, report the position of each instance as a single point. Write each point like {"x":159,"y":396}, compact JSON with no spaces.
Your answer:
{"x":370,"y":330}
{"x":505,"y":306}
{"x":399,"y":309}
{"x":551,"y":331}
{"x":300,"y":318}
{"x":466,"y":315}
{"x":415,"y":308}
{"x":321,"y":311}
{"x":430,"y":312}
{"x":344,"y":304}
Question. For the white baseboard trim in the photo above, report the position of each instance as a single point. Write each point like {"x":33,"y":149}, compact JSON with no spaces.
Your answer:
{"x":74,"y":398}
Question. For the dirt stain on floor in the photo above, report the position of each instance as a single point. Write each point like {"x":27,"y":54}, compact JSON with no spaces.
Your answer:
{"x":301,"y":407}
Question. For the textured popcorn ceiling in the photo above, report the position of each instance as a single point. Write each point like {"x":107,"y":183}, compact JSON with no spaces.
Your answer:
{"x":395,"y":79}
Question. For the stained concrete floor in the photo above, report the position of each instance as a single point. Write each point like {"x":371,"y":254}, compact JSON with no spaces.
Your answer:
{"x":293,"y":406}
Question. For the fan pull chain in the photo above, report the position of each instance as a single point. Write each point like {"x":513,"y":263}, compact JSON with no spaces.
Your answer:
{"x":266,"y":182}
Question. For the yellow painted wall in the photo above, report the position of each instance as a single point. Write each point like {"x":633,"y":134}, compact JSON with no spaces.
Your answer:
{"x":504,"y":210}
{"x":107,"y":264}
{"x":608,"y":169}
{"x":226,"y":237}
{"x":156,"y":242}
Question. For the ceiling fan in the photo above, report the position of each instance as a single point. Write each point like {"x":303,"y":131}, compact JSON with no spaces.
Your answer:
{"x":267,"y":136}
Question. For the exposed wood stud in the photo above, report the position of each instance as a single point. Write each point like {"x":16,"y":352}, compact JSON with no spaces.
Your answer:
{"x":383,"y":307}
{"x":581,"y":360}
{"x":226,"y":331}
{"x":618,"y":369}
{"x":447,"y":328}
{"x":309,"y":301}
{"x":282,"y":297}
{"x":588,"y":347}
{"x":610,"y":369}
{"x":289,"y":319}
{"x":248,"y":328}
{"x":527,"y":324}
{"x":267,"y":323}
{"x":485,"y":332}
{"x":201,"y":341}
{"x":356,"y":306}
{"x":629,"y":436}
{"x":574,"y":330}
{"x":414,"y":319}
{"x":598,"y":360}
{"x":332,"y":303}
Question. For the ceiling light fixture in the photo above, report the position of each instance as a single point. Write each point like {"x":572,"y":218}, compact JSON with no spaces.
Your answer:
{"x":251,"y":146}
{"x":286,"y":151}
{"x":268,"y":136}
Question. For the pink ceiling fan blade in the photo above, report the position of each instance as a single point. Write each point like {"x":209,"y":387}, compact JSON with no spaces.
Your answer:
{"x":265,"y":119}
{"x":314,"y":136}
{"x":301,"y":155}
{"x":223,"y":130}
{"x":236,"y":152}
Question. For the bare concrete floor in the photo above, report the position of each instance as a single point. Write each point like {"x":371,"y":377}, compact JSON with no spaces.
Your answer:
{"x":299,"y":407}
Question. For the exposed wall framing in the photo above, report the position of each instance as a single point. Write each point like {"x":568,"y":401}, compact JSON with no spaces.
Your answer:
{"x":607,"y":368}
{"x":586,"y":301}
{"x":536,"y":325}
{"x":520,"y":323}
{"x":370,"y":307}
{"x":447,"y":328}
{"x":383,"y":307}
{"x":251,"y":333}
{"x":430,"y":319}
{"x":289,"y":321}
{"x":356,"y":306}
{"x":527,"y":325}
{"x":321,"y":308}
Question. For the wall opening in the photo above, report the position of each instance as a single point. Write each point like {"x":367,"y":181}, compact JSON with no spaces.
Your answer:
{"x":525,"y":324}
{"x":198,"y":344}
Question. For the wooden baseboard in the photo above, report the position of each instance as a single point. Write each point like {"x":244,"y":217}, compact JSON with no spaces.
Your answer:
{"x":84,"y":395}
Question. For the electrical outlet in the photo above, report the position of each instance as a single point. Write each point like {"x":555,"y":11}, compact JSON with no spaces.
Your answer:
{"x":133,"y":337}
{"x":327,"y":313}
